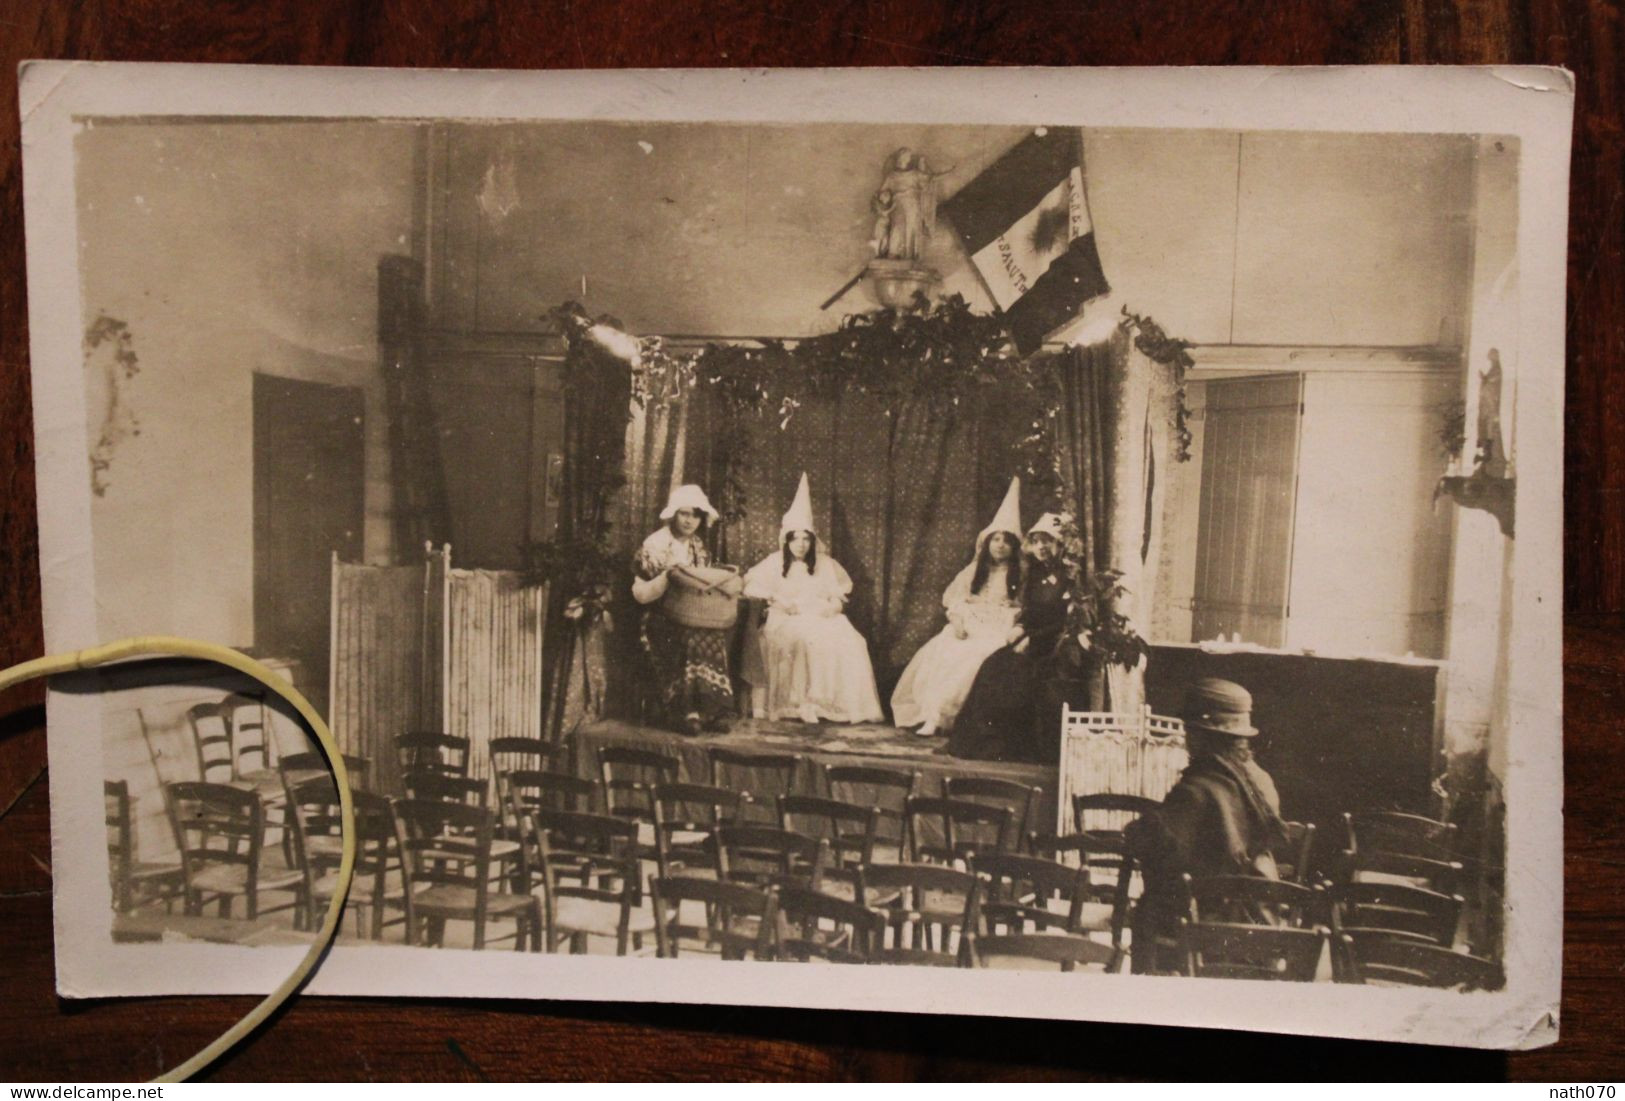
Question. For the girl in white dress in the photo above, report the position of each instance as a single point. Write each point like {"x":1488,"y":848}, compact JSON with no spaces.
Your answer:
{"x":982,"y":605}
{"x":815,"y":663}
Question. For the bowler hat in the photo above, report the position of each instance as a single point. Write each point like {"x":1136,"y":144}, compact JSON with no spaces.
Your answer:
{"x":1220,"y":706}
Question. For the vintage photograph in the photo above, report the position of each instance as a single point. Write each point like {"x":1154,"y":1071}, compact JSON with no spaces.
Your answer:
{"x":981,"y":545}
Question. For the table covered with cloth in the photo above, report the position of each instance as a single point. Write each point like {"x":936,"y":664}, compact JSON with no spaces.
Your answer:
{"x":873,"y":745}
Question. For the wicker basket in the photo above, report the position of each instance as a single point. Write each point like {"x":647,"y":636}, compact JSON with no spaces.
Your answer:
{"x":705,"y":597}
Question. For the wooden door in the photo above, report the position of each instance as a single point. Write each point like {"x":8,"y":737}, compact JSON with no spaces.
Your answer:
{"x":1248,"y":500}
{"x":309,"y":484}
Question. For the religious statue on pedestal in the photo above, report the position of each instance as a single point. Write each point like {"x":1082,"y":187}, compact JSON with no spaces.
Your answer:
{"x":905,"y":209}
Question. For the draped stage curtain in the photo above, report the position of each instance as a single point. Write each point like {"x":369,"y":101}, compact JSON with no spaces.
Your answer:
{"x":898,"y":501}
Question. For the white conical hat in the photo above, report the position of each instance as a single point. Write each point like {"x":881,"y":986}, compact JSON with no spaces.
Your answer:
{"x":1051,"y":523}
{"x":800,"y":516}
{"x":689,"y":496}
{"x":1008,"y":518}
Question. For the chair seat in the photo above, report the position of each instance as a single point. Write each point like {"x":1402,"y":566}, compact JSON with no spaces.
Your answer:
{"x":597,"y":918}
{"x":873,"y":897}
{"x":232,"y":879}
{"x":450,"y":900}
{"x":324,"y":845}
{"x":155,"y":873}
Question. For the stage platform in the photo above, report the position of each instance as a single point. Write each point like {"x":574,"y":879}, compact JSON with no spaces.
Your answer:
{"x":819,"y":745}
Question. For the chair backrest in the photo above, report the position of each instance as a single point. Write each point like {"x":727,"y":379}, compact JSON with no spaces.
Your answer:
{"x":1020,"y":798}
{"x":686,"y":820}
{"x":509,"y":753}
{"x":1232,"y":951}
{"x":358,"y":768}
{"x":545,"y":788}
{"x":1255,"y":900}
{"x":850,"y":829}
{"x":1069,"y":952}
{"x":590,"y":856}
{"x":250,"y":731}
{"x":814,"y":925}
{"x":314,"y":803}
{"x":432,"y":751}
{"x":1398,"y":961}
{"x":1399,"y":908}
{"x":885,"y":789}
{"x":767,"y":854}
{"x":1103,"y":811}
{"x":926,"y":895}
{"x":428,"y":784}
{"x":762,"y":776}
{"x":314,"y":811}
{"x":446,"y":843}
{"x":1294,"y":864}
{"x":966,"y":829}
{"x":629,"y":775}
{"x":211,"y":736}
{"x":215,"y":824}
{"x":1029,"y":891}
{"x":740,"y":920}
{"x":120,"y":839}
{"x":1403,"y":834}
{"x":1437,"y":875}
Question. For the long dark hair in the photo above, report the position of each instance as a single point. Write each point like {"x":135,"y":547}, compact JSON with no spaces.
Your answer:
{"x":812,"y":552}
{"x":1012,"y":571}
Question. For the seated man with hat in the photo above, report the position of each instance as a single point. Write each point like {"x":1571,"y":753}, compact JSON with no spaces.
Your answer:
{"x":1222,"y":818}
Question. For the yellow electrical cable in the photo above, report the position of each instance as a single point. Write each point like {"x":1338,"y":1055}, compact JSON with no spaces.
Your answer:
{"x":166,"y":646}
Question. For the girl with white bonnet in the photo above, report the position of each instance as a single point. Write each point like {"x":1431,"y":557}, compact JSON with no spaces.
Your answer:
{"x":814,"y":662}
{"x":690,"y":664}
{"x":982,"y":605}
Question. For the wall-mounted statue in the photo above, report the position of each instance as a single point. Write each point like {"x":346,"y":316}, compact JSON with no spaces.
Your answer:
{"x":905,"y":207}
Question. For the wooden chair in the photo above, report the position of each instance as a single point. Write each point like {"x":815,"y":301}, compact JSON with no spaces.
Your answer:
{"x":546,"y":788}
{"x":250,"y":738}
{"x":1385,"y":960}
{"x":1294,"y":865}
{"x":1399,"y":833}
{"x":431,"y":785}
{"x":686,"y":820}
{"x":1112,"y":877}
{"x":763,"y":777}
{"x":446,"y":850}
{"x":1368,"y":866}
{"x":432,"y":751}
{"x":816,"y":926}
{"x":378,"y":862}
{"x":590,"y":878}
{"x":769,"y":856}
{"x":211,"y":737}
{"x":629,"y":775}
{"x":966,"y":829}
{"x":1232,"y":951}
{"x":219,"y":830}
{"x":509,"y":753}
{"x":885,"y":789}
{"x":302,"y":766}
{"x":315,"y":819}
{"x":850,"y":829}
{"x":1039,"y":951}
{"x":1255,"y":900}
{"x":740,"y":921}
{"x":1397,"y":907}
{"x":936,"y":905}
{"x":1029,"y":894}
{"x":1107,"y":812}
{"x":1022,"y":799}
{"x":134,"y":882}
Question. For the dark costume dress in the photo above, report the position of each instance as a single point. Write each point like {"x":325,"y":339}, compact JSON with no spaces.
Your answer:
{"x":690,"y":664}
{"x":1001,"y":720}
{"x":1222,"y":818}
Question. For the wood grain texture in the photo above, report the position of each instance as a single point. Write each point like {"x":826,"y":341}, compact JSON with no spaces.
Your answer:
{"x":41,"y":1037}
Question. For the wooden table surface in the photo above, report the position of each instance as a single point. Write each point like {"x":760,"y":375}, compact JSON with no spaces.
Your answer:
{"x":44,"y":1038}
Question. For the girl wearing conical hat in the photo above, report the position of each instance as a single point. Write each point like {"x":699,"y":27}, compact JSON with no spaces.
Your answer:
{"x":690,"y":664}
{"x":815,"y":664}
{"x":982,"y":604}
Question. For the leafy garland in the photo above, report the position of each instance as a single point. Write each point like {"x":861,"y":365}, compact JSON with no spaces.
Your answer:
{"x":941,"y":358}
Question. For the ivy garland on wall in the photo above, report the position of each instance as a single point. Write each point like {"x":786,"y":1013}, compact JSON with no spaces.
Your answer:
{"x":941,"y":358}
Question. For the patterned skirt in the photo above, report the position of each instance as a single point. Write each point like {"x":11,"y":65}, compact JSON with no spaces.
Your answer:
{"x":691,"y":668}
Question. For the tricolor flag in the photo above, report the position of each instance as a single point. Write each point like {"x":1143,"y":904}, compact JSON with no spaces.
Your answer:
{"x":1025,"y":223}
